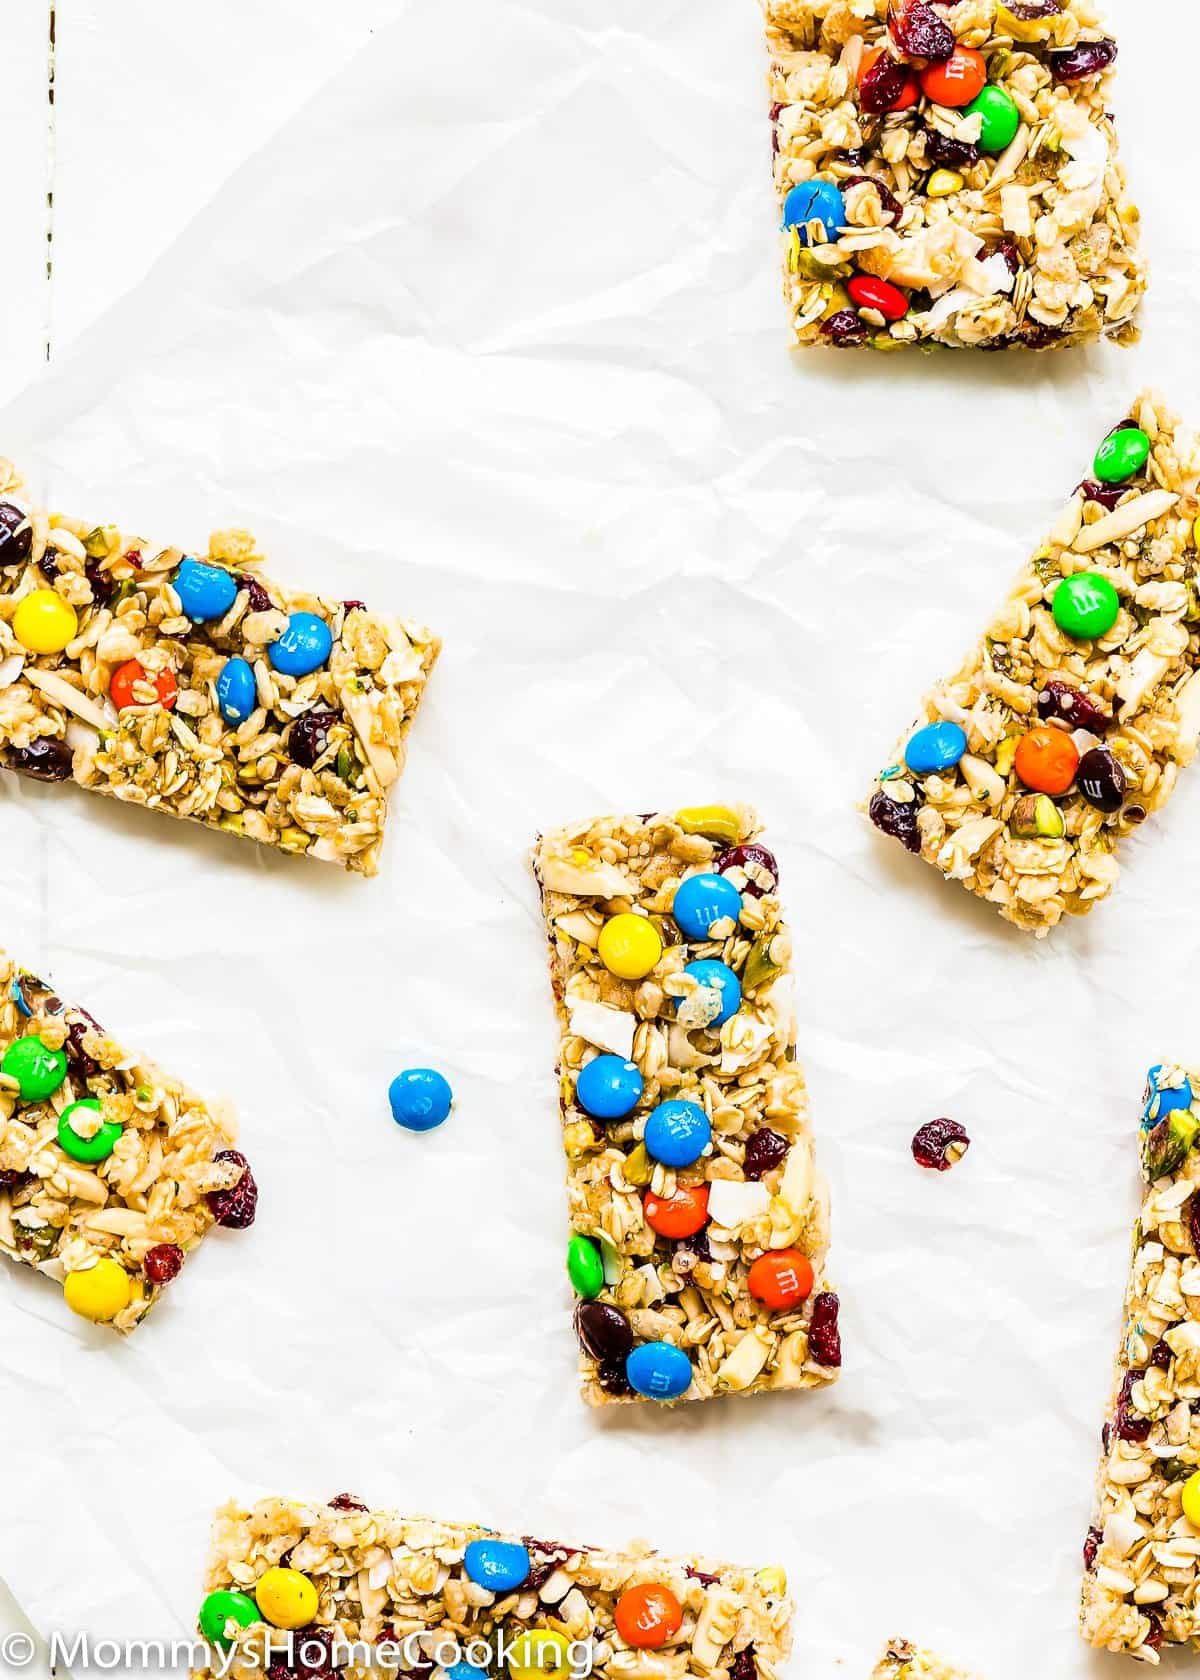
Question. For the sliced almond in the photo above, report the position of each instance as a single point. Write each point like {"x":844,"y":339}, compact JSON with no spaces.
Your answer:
{"x":60,"y":693}
{"x":1124,"y":521}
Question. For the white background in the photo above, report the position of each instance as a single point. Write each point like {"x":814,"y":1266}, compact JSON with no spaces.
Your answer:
{"x":473,"y":312}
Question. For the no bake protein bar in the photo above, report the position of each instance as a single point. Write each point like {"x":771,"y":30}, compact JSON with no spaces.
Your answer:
{"x":1069,"y":722}
{"x":195,"y":686}
{"x":904,"y":1661}
{"x":948,"y":174}
{"x":699,"y":1222}
{"x":1141,"y":1589}
{"x":411,"y":1595}
{"x":111,"y":1172}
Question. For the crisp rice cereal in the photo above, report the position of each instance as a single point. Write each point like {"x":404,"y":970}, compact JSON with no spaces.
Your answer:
{"x":325,"y":796}
{"x":1036,"y":247}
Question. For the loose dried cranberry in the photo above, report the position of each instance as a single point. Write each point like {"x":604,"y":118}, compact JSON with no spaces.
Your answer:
{"x":824,"y":1337}
{"x":610,"y":1374}
{"x":758,"y":859}
{"x":918,"y":31}
{"x":1058,"y":699}
{"x":1091,"y":1546}
{"x":1161,"y":1356}
{"x":1108,"y":495}
{"x":546,"y":1556}
{"x":932,"y":1145}
{"x":888,"y":201}
{"x":236,"y":1206}
{"x":48,"y":759}
{"x":14,"y":542}
{"x":765,"y":1149}
{"x":1101,"y":779}
{"x":346,"y":1502}
{"x":1088,"y":58}
{"x":104,"y":586}
{"x":882,"y":85}
{"x":900,"y":821}
{"x":604,"y":1332}
{"x":743,"y":1666}
{"x":702,"y":1576}
{"x":83,"y":1065}
{"x":949,"y":153}
{"x":309,"y":736}
{"x":260,"y":601}
{"x":162,"y":1263}
{"x":844,"y":329}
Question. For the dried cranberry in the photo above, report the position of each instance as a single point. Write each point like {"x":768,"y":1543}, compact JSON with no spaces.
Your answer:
{"x":604,"y":1332}
{"x":1128,"y":1425}
{"x":48,"y":759}
{"x":765,"y":1149}
{"x":236,"y":1206}
{"x":900,"y":821}
{"x":1058,"y":699}
{"x":104,"y":586}
{"x":82,"y":1065}
{"x":743,"y":1666}
{"x":824,"y":1337}
{"x":1091,"y":1546}
{"x":311,"y":1652}
{"x":949,"y":153}
{"x":776,"y":108}
{"x":1028,"y":11}
{"x":702,"y":1576}
{"x":1108,"y":495}
{"x":162,"y":1263}
{"x":1101,"y":779}
{"x":918,"y":31}
{"x":260,"y":600}
{"x":610,"y":1374}
{"x":882,"y":85}
{"x":545,"y":1558}
{"x":309,"y":736}
{"x":1106,"y":1437}
{"x":933,"y":1144}
{"x":1035,"y":335}
{"x":1154,"y":1639}
{"x":13,"y":1180}
{"x":1160,"y":1355}
{"x":844,"y":329}
{"x":1192,"y":1216}
{"x":1012,"y":257}
{"x":14,"y":541}
{"x":354,"y":606}
{"x":695,"y":1245}
{"x":753,"y":861}
{"x":48,"y":565}
{"x":889,"y":203}
{"x":1088,"y":58}
{"x":346,"y":1502}
{"x":856,"y":156}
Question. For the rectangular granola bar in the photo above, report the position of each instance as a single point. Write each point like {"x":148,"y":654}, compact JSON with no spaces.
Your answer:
{"x":1069,"y":722}
{"x":405,"y":1593}
{"x":198,"y":687}
{"x":699,"y":1222}
{"x":1141,"y":1587}
{"x":111,"y":1172}
{"x":904,"y":1661}
{"x":914,"y":217}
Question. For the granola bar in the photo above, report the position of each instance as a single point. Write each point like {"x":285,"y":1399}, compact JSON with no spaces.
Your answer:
{"x":406,"y":1593}
{"x":949,"y":174}
{"x":198,"y":687}
{"x":1141,"y":1588}
{"x":1069,"y":722}
{"x":699,"y":1222}
{"x":111,"y":1172}
{"x":904,"y":1661}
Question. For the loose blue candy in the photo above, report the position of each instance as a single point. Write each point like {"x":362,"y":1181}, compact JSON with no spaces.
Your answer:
{"x":659,"y":1370}
{"x":237,"y":691}
{"x":304,"y":646}
{"x":815,"y":201}
{"x":701,"y":900}
{"x":677,"y":1132}
{"x":938,"y":746}
{"x":498,"y":1565}
{"x":204,"y":591}
{"x":609,"y":1087}
{"x":420,"y":1099}
{"x":719,"y":977}
{"x":1158,"y":1102}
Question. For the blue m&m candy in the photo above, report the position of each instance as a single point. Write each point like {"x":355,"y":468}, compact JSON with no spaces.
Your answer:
{"x":498,"y":1565}
{"x":815,"y":201}
{"x":304,"y":646}
{"x":1161,"y":1099}
{"x":237,"y":691}
{"x":659,"y":1370}
{"x":702,"y":900}
{"x":421,"y":1099}
{"x":204,"y":591}
{"x":937,"y":747}
{"x":677,"y":1132}
{"x":465,"y":1671}
{"x":719,"y":980}
{"x":609,"y":1087}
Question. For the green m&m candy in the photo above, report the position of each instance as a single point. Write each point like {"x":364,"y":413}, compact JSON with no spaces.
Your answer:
{"x":103,"y":1140}
{"x":1001,"y":118}
{"x":1121,"y":455}
{"x":220,"y":1608}
{"x":585,"y":1267}
{"x":37,"y":1069}
{"x":1086,"y":606}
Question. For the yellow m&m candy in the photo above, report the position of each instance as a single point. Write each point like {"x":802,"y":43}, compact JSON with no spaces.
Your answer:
{"x":44,"y":622}
{"x":286,"y":1598}
{"x":539,"y":1654}
{"x":100,"y":1292}
{"x":629,"y":946}
{"x":1191,"y":1500}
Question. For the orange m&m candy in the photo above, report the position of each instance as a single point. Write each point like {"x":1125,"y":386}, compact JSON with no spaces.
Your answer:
{"x":1046,"y":760}
{"x":648,"y":1615}
{"x":680,"y":1215}
{"x":133,"y":671}
{"x":781,"y":1278}
{"x":958,"y":81}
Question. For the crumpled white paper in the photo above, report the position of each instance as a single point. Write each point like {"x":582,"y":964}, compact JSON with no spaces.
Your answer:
{"x":477,"y":317}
